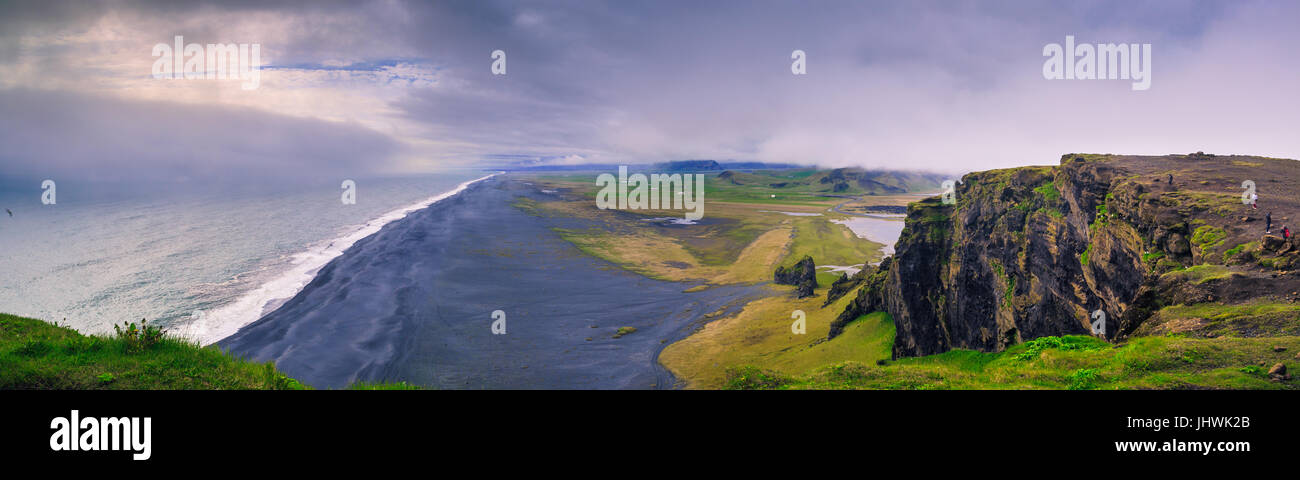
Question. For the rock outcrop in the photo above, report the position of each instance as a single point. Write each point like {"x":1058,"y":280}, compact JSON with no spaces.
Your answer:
{"x":844,"y":285}
{"x":870,"y":297}
{"x":1036,"y":251}
{"x":802,"y":275}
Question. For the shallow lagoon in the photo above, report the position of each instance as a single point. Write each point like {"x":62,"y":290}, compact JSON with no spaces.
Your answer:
{"x":879,"y":229}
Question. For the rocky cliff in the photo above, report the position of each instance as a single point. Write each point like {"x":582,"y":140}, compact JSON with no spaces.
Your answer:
{"x":1035,"y":251}
{"x":802,"y":275}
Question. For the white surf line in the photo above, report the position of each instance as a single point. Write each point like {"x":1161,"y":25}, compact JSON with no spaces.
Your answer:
{"x":224,"y":321}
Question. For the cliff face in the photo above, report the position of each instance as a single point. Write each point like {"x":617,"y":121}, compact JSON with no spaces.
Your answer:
{"x":1030,"y":252}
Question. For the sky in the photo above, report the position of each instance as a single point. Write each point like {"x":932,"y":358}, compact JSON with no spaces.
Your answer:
{"x":388,"y":87}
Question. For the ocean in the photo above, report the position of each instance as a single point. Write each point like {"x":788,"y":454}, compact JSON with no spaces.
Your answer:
{"x":199,"y":264}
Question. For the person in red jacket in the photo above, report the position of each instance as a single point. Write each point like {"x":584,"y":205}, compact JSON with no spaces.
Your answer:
{"x":1286,"y":232}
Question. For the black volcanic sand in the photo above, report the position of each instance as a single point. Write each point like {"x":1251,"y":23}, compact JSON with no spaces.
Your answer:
{"x":414,"y":303}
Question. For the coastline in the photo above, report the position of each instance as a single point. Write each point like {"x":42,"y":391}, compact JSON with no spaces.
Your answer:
{"x":414,"y":302}
{"x":209,"y":328}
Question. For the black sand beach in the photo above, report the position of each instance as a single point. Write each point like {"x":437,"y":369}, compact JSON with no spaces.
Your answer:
{"x":414,"y":303}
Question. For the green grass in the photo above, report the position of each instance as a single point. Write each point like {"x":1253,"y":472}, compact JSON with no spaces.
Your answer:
{"x":1260,"y":317}
{"x":825,"y":279}
{"x":1102,"y":217}
{"x":1069,"y":362}
{"x":1033,"y":349}
{"x":1215,"y":312}
{"x":1199,"y":274}
{"x":717,"y":191}
{"x":1049,"y":192}
{"x":1208,"y":237}
{"x":38,"y":355}
{"x":868,"y":339}
{"x":1250,"y":248}
{"x":753,"y":378}
{"x":1082,"y":379}
{"x":1220,"y":204}
{"x":829,"y":244}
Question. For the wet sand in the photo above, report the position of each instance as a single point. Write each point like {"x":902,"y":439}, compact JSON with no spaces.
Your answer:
{"x":414,"y":303}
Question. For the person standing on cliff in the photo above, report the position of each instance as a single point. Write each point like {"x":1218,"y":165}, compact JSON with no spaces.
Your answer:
{"x":1268,"y":222}
{"x":1171,"y":179}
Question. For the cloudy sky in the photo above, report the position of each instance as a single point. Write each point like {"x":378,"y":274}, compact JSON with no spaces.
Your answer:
{"x":356,"y":88}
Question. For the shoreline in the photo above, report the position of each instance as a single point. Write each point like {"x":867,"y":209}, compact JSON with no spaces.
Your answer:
{"x":210,"y":328}
{"x":414,"y":302}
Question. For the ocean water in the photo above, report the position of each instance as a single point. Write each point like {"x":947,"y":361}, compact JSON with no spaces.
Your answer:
{"x":199,"y":264}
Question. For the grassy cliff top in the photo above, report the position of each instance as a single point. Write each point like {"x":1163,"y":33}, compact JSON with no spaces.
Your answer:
{"x":35,"y":354}
{"x":1071,"y":362}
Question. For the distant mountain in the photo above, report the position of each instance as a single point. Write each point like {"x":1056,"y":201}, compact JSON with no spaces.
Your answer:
{"x":688,"y":166}
{"x":839,"y":181}
{"x":759,"y":166}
